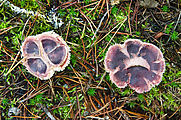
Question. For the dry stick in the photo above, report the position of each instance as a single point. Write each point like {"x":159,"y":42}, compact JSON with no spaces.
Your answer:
{"x":74,"y":44}
{"x":137,"y":114}
{"x":24,"y":117}
{"x":88,"y":21}
{"x":98,"y":102}
{"x":22,"y":96}
{"x":69,"y":79}
{"x":32,"y":96}
{"x":147,"y":109}
{"x":65,"y":3}
{"x":29,"y":96}
{"x":30,"y":111}
{"x":103,"y":106}
{"x":51,"y":86}
{"x":78,"y":76}
{"x":68,"y":30}
{"x":18,"y":55}
{"x":107,"y":3}
{"x":11,"y":57}
{"x":155,"y":19}
{"x":120,"y":33}
{"x":69,"y":111}
{"x":112,"y":36}
{"x":64,"y":7}
{"x":12,"y":68}
{"x":82,"y":39}
{"x":86,"y":5}
{"x":2,"y":3}
{"x":47,"y":112}
{"x":32,"y":25}
{"x":117,"y":108}
{"x":87,"y":70}
{"x":108,"y":33}
{"x":170,"y":92}
{"x":78,"y":105}
{"x":80,"y":58}
{"x":101,"y":6}
{"x":1,"y":46}
{"x":66,"y":93}
{"x":48,"y":3}
{"x":175,"y":26}
{"x":93,"y":117}
{"x":175,"y":111}
{"x":129,"y":17}
{"x":7,"y":29}
{"x":92,"y":103}
{"x":135,"y":12}
{"x":110,"y":106}
{"x":101,"y":79}
{"x":80,"y":82}
{"x":161,"y":118}
{"x":98,"y":6}
{"x":101,"y":88}
{"x":89,"y":52}
{"x":137,"y":17}
{"x":98,"y":27}
{"x":75,"y":117}
{"x":117,"y":112}
{"x":26,"y":79}
{"x":172,"y":81}
{"x":177,"y":21}
{"x":97,"y":69}
{"x":83,"y":31}
{"x":24,"y":27}
{"x":6,"y":52}
{"x":94,"y":42}
{"x":94,"y":7}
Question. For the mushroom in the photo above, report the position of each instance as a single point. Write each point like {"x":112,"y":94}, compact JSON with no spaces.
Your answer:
{"x":135,"y":63}
{"x":44,"y":54}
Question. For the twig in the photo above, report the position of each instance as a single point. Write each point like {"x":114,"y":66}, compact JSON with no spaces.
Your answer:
{"x":110,"y":32}
{"x":12,"y":68}
{"x":24,"y":28}
{"x":101,"y":79}
{"x":129,"y":17}
{"x":98,"y":27}
{"x":78,"y":105}
{"x":39,"y":92}
{"x":52,"y":18}
{"x":177,"y":21}
{"x":175,"y":112}
{"x":47,"y":112}
{"x":67,"y":30}
{"x":112,"y":37}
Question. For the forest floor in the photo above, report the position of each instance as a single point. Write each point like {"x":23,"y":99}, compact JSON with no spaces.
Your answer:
{"x":84,"y":89}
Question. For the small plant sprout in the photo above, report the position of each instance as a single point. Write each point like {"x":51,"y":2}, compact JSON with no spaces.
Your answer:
{"x":44,"y":54}
{"x":135,"y":63}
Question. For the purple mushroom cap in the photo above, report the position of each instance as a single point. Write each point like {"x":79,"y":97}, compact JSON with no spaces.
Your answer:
{"x":44,"y":54}
{"x":135,"y":63}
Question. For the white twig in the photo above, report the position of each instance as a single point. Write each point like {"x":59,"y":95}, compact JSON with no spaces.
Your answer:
{"x":99,"y":25}
{"x":51,"y":17}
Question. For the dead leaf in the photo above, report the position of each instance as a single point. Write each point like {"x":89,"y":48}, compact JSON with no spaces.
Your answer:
{"x":114,"y":2}
{"x":149,"y":3}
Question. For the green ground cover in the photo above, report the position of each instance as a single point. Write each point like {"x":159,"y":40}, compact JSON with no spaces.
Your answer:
{"x":84,"y":90}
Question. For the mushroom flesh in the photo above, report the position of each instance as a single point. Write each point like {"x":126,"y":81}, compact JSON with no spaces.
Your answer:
{"x":44,"y":54}
{"x":135,"y":63}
